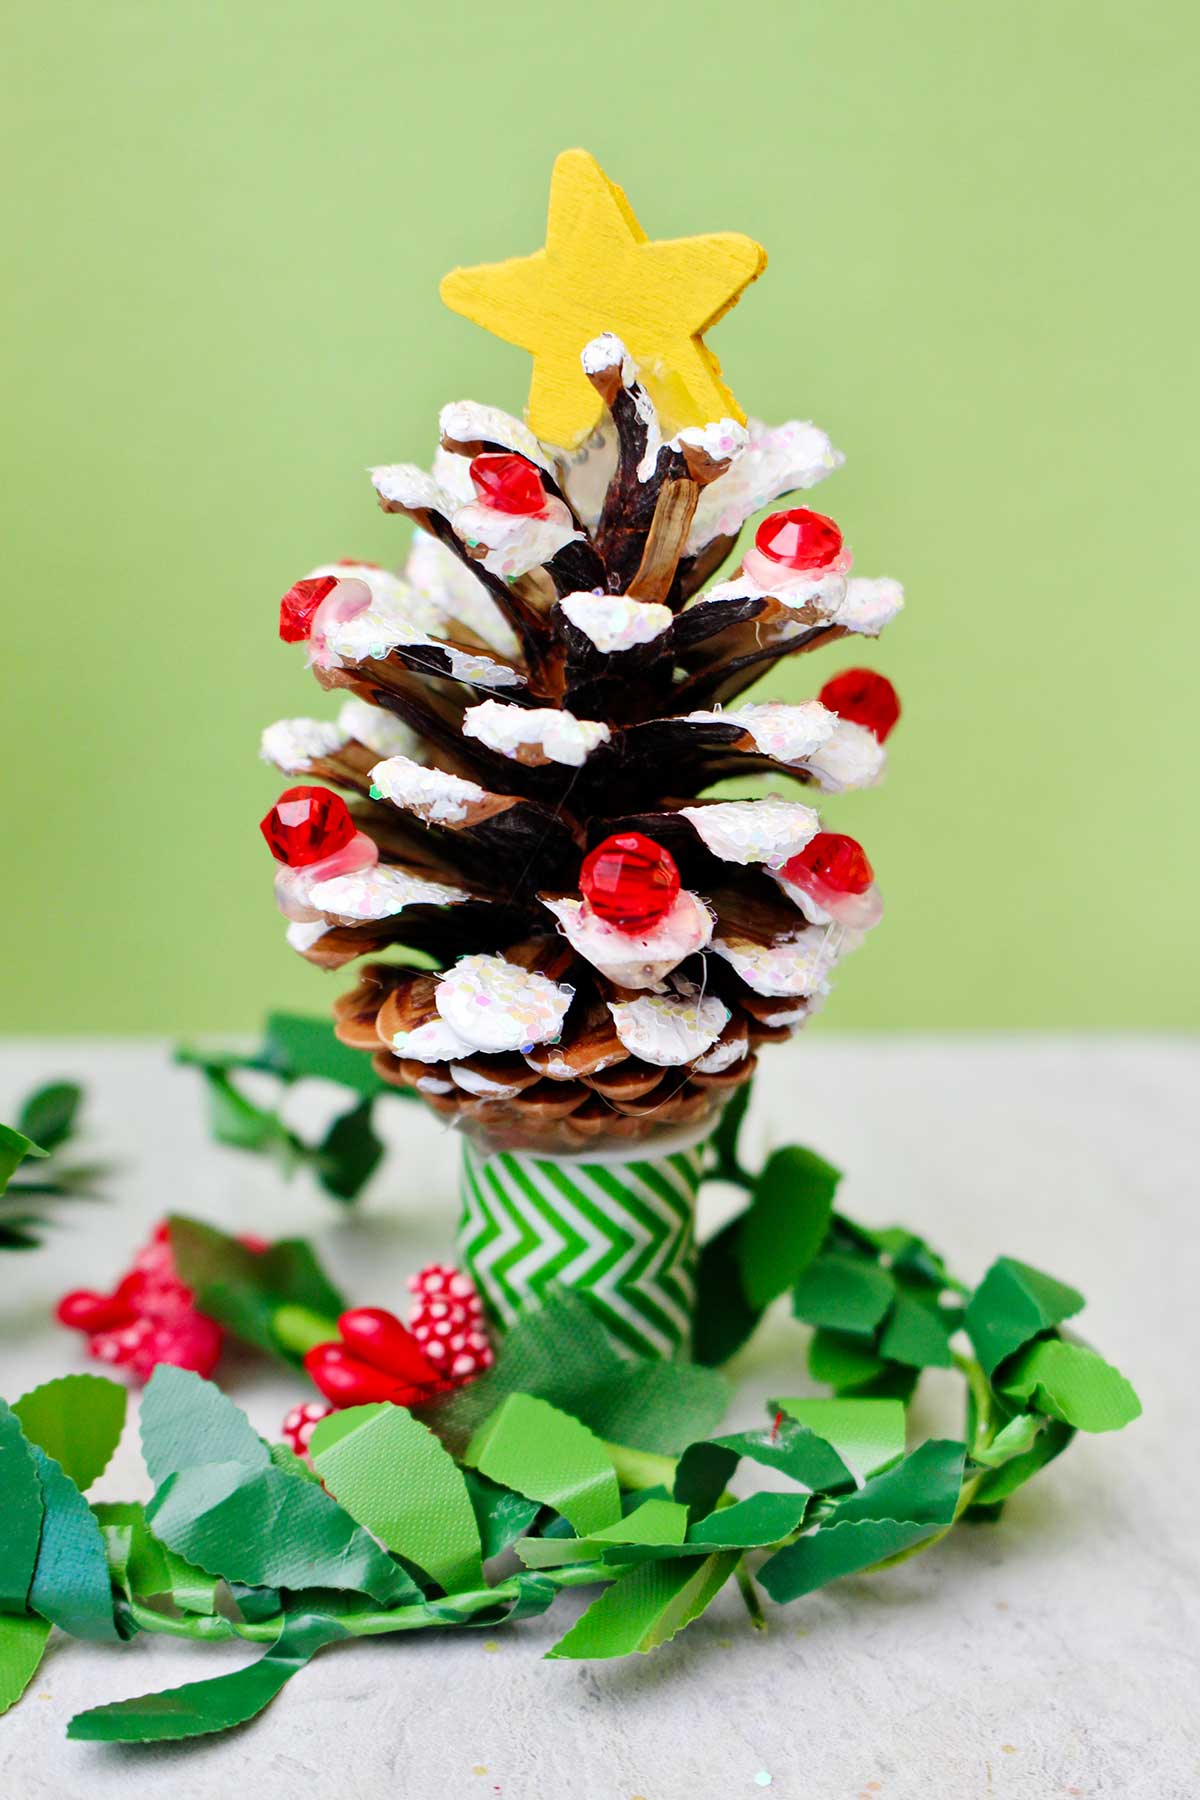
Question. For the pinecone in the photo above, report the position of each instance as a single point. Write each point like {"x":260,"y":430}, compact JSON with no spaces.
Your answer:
{"x":547,"y":680}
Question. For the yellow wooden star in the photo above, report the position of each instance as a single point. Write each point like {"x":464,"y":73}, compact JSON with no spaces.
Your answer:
{"x":599,"y":272}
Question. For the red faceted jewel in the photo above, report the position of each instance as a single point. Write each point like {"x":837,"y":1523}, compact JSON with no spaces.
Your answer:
{"x":298,"y":607}
{"x":799,"y":539}
{"x":865,"y":698}
{"x":508,"y":483}
{"x":305,"y":825}
{"x":832,"y":861}
{"x":630,"y":881}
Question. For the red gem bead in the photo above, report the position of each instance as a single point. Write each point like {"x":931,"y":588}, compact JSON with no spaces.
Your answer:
{"x":305,"y":825}
{"x":832,"y":861}
{"x":630,"y":881}
{"x":299,"y":604}
{"x":799,"y":539}
{"x":508,"y":483}
{"x":865,"y":698}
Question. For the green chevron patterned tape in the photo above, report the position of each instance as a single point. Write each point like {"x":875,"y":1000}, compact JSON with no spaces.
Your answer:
{"x":621,"y":1233}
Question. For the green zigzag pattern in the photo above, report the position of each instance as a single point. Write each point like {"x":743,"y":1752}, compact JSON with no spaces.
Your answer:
{"x":621,"y":1233}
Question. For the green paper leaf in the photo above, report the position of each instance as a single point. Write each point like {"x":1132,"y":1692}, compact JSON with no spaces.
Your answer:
{"x":78,"y":1420}
{"x":656,"y":1406}
{"x":1013,"y":1304}
{"x":914,"y":1334}
{"x":705,"y":1469}
{"x":868,"y":1435}
{"x":657,"y":1525}
{"x":1072,"y":1383}
{"x":14,"y":1148}
{"x":1000,"y":1484}
{"x":747,"y":1524}
{"x":237,"y":1122}
{"x":21,"y":1511}
{"x":842,"y":1360}
{"x":844,"y":1548}
{"x":296,"y":1046}
{"x":266,"y":1529}
{"x":647,"y":1607}
{"x":1016,"y":1437}
{"x":49,"y":1116}
{"x":653,"y":1521}
{"x":187,"y":1422}
{"x":844,"y":1293}
{"x":893,"y":1513}
{"x":790,"y":1209}
{"x":724,"y":1319}
{"x":71,"y":1585}
{"x":923,"y":1488}
{"x":200,"y":1707}
{"x":391,"y":1474}
{"x":549,"y":1456}
{"x":500,"y":1515}
{"x":349,"y":1153}
{"x":22,"y":1646}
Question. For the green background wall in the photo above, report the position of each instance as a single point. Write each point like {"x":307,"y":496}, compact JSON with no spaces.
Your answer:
{"x":226,"y":229}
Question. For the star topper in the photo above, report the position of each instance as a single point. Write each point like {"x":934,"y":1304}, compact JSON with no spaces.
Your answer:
{"x":599,"y":272}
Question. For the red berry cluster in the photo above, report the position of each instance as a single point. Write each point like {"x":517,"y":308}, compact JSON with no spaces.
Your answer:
{"x":149,"y":1317}
{"x":376,"y":1358}
{"x":301,"y":1422}
{"x":446,"y":1318}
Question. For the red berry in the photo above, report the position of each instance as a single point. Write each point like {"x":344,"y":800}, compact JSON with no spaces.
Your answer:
{"x":799,"y":539}
{"x":832,"y":861}
{"x":307,"y":824}
{"x":446,"y":1318}
{"x":299,"y":604}
{"x":508,"y":483}
{"x":865,"y":698}
{"x":83,"y":1310}
{"x":630,"y":881}
{"x":380,"y":1339}
{"x":301,"y":1422}
{"x":348,"y":1381}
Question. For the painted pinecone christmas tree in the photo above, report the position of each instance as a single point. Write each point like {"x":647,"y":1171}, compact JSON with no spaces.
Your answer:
{"x":537,"y":710}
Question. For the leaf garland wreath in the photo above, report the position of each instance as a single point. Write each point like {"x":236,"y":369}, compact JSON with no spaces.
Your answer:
{"x":566,"y":1465}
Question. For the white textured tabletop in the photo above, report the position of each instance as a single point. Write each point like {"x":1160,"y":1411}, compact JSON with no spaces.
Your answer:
{"x":1052,"y":1655}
